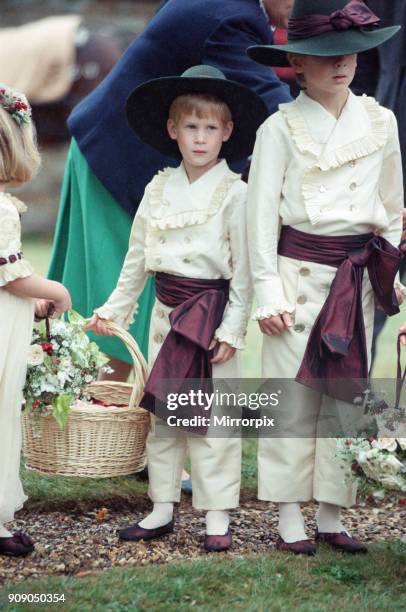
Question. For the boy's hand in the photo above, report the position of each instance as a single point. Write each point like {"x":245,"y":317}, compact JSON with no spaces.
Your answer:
{"x":274,"y":326}
{"x":223,"y":351}
{"x":399,"y":296}
{"x":98,"y":326}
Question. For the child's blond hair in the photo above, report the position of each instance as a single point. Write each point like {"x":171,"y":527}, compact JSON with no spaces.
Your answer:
{"x":19,"y":155}
{"x":203,"y":105}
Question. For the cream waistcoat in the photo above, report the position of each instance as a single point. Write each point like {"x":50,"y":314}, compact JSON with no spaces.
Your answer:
{"x":193,"y":230}
{"x":324,"y":176}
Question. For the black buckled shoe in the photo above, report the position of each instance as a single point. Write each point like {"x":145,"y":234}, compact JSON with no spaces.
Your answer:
{"x":341,"y":541}
{"x":18,"y":545}
{"x":301,"y":547}
{"x":135,"y":533}
{"x":218,"y":543}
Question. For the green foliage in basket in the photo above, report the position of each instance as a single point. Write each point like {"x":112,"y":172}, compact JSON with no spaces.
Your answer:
{"x":60,"y":366}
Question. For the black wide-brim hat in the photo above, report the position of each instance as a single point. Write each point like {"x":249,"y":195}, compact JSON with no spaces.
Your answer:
{"x":349,"y":27}
{"x":148,"y":107}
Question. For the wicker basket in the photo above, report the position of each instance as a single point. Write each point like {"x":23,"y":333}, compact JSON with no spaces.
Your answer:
{"x":98,"y":441}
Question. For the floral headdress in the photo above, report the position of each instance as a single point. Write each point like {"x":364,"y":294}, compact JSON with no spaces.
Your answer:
{"x":16,"y":104}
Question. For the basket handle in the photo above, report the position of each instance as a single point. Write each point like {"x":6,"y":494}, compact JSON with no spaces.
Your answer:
{"x":140,"y":366}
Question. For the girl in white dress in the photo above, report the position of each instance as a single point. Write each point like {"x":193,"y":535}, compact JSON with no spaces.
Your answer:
{"x":19,"y":286}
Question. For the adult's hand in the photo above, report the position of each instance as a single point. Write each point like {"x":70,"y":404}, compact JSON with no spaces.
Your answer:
{"x":278,"y":12}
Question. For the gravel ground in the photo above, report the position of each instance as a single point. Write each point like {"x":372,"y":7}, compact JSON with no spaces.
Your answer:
{"x":80,"y":541}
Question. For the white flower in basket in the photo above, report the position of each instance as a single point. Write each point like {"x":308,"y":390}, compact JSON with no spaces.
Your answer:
{"x":380,"y":465}
{"x":61,"y":361}
{"x":35,"y":355}
{"x":388,"y":444}
{"x":377,"y":465}
{"x":396,"y":483}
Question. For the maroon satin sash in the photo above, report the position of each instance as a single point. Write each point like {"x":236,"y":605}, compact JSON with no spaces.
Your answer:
{"x":198,"y":309}
{"x":337,"y":348}
{"x":355,"y":14}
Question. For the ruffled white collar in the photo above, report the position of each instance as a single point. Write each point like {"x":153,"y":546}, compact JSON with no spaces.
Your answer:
{"x":360,"y":130}
{"x":175,"y":202}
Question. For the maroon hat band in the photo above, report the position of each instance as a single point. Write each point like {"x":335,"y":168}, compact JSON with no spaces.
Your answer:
{"x":355,"y":14}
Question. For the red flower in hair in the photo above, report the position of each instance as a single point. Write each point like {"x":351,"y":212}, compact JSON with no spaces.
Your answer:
{"x":20,"y":106}
{"x":15,"y":103}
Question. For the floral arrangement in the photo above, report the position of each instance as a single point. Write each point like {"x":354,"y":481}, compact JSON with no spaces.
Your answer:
{"x":379,"y":464}
{"x":62,"y":361}
{"x":16,"y":104}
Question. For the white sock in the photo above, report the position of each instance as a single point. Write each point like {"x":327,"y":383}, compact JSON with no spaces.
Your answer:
{"x":217,"y":522}
{"x":160,"y":516}
{"x":328,"y":518}
{"x":291,"y":522}
{"x":4,"y":532}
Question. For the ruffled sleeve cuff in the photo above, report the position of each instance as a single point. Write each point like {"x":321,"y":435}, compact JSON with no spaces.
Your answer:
{"x":13,"y":271}
{"x":234,"y":340}
{"x":272,"y":310}
{"x":124,"y":321}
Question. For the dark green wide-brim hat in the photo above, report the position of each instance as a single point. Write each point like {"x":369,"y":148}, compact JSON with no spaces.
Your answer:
{"x":148,"y":110}
{"x":337,"y":42}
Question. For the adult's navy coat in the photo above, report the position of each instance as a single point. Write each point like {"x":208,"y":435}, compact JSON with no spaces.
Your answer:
{"x":382,"y":71}
{"x":183,"y":33}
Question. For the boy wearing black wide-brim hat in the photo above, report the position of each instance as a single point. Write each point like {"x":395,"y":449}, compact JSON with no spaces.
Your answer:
{"x":190,"y":232}
{"x":325,"y":205}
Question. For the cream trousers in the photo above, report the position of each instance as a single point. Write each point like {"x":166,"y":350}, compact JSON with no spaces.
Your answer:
{"x":215,"y":462}
{"x":303,"y":468}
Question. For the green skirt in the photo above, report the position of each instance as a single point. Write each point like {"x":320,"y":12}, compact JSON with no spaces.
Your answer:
{"x":91,"y":241}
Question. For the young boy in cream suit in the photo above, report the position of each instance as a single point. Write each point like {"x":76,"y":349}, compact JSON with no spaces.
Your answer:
{"x":190,"y":232}
{"x":325,"y":204}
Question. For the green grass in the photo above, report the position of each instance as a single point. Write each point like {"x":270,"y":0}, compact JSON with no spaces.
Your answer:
{"x":47,"y":492}
{"x":274,"y":582}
